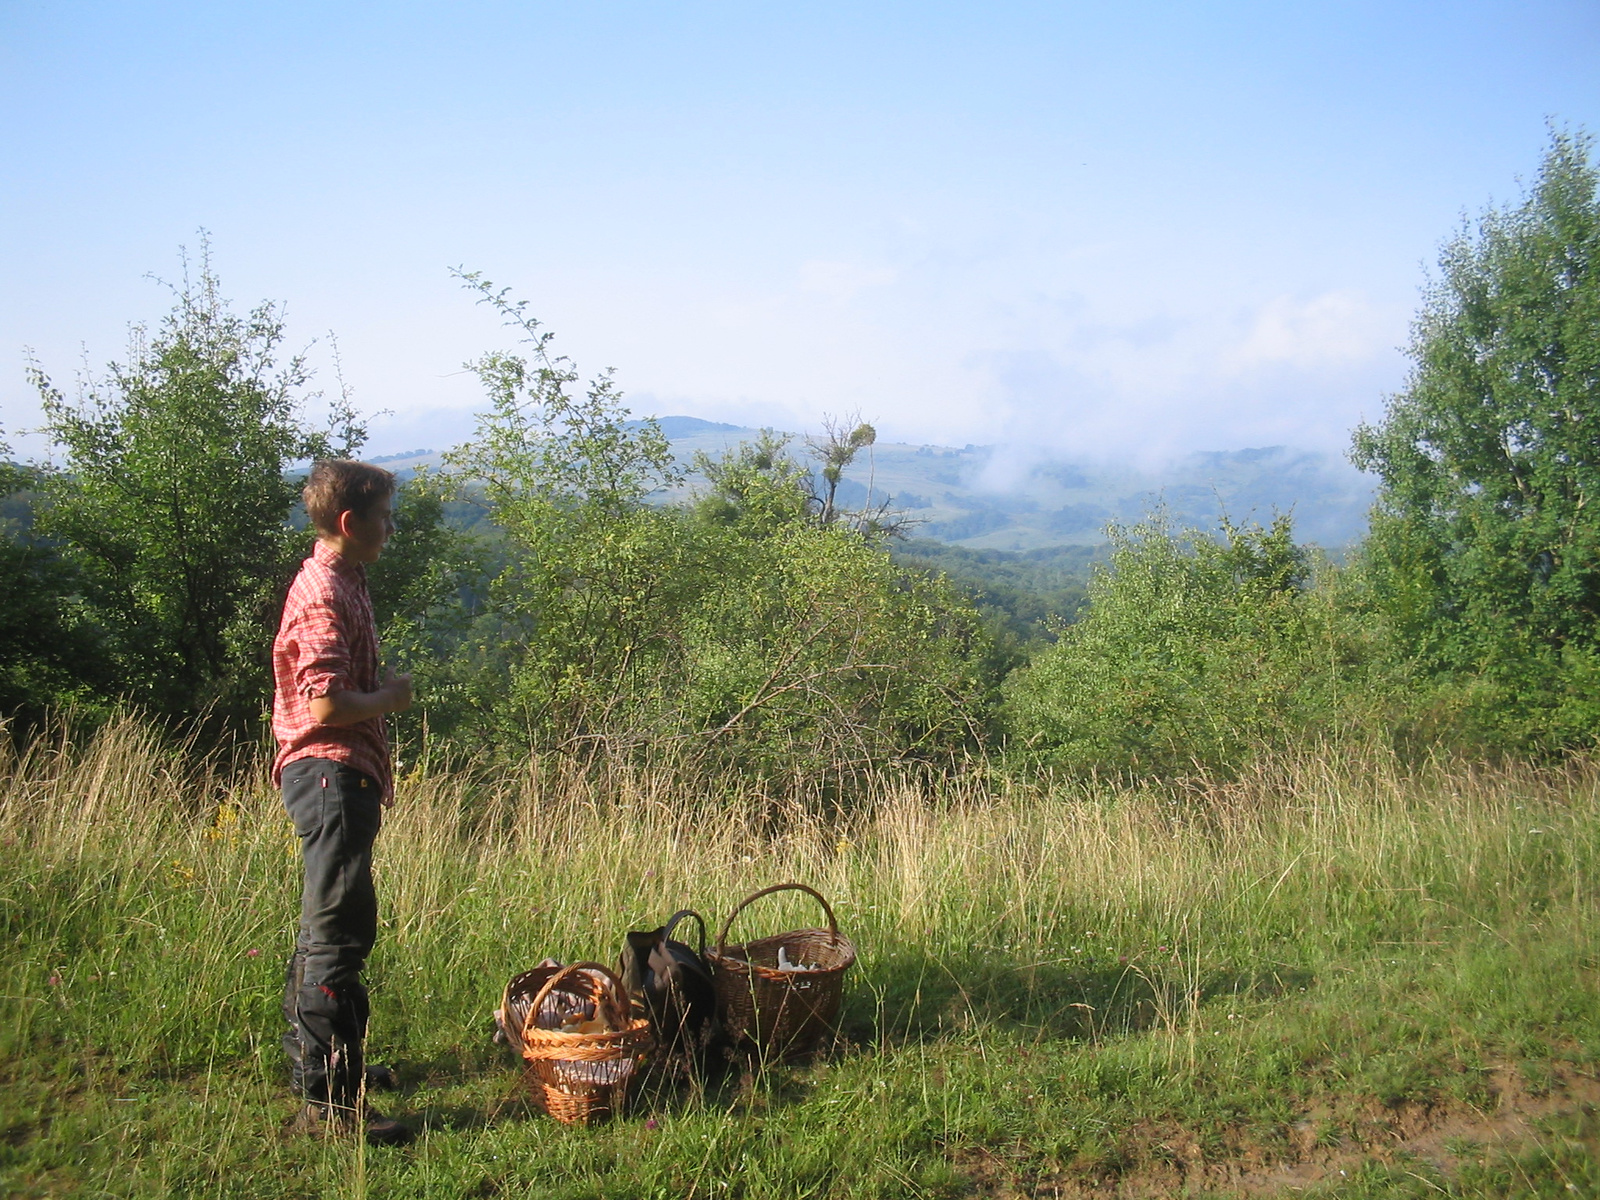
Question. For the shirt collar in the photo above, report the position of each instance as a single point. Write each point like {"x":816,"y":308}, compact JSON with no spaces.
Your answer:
{"x":336,"y":562}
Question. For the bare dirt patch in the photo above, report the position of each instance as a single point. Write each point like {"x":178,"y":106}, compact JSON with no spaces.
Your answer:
{"x":1322,"y":1146}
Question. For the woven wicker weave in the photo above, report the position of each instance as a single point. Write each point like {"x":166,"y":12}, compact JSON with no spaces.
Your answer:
{"x":578,"y":1078}
{"x":517,"y":1003}
{"x":781,"y":1014}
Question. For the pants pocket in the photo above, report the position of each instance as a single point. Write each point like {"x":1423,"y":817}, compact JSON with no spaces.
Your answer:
{"x":361,"y":804}
{"x":305,"y":793}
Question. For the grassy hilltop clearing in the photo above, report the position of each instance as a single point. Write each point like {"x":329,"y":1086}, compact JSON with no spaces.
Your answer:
{"x":1328,"y":975}
{"x":1185,"y":856}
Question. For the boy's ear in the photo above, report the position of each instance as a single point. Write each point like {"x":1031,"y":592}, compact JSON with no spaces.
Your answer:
{"x":344,"y":523}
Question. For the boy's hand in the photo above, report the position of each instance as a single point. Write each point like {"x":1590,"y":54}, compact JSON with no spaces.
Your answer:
{"x":398,"y":690}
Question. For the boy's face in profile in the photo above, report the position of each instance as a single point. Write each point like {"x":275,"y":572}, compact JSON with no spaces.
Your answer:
{"x":364,"y":536}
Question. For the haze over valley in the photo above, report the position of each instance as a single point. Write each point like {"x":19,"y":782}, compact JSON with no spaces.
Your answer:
{"x":1003,"y":497}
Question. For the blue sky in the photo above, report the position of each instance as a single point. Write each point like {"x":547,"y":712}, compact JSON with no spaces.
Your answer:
{"x":1073,"y":228}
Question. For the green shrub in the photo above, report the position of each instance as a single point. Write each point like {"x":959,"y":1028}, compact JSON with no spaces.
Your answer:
{"x":1196,"y":655}
{"x":749,"y":630}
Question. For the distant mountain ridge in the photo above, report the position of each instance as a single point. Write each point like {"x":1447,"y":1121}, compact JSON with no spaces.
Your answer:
{"x":990,"y":498}
{"x":985,"y":498}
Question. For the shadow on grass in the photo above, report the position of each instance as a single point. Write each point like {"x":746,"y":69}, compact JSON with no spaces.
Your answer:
{"x":908,"y":998}
{"x":920,"y":997}
{"x":456,"y":1068}
{"x":734,"y":1085}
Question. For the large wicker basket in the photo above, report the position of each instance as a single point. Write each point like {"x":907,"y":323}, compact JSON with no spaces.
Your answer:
{"x":781,"y":1013}
{"x":578,"y":1078}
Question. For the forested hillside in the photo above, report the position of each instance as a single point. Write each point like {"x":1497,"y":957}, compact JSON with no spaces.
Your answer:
{"x":987,"y":498}
{"x":1005,"y":498}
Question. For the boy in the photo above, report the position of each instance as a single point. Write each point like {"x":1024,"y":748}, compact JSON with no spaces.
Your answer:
{"x":333,"y":766}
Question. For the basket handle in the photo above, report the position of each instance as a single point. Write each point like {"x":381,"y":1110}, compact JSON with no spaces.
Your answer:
{"x":672,"y":923}
{"x":833,"y":925}
{"x":616,"y":987}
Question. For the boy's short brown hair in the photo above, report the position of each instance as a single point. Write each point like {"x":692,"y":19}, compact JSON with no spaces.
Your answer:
{"x":337,"y":485}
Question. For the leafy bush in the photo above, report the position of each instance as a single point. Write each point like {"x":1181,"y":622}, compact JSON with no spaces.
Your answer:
{"x":751,"y":630}
{"x":51,"y":653}
{"x":1196,"y":655}
{"x":816,"y":654}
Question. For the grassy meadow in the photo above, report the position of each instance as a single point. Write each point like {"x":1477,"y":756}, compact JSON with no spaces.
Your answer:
{"x":1333,"y":977}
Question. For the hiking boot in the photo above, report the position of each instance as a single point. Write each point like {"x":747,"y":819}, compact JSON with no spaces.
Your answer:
{"x":379,"y":1079}
{"x":326,"y":1119}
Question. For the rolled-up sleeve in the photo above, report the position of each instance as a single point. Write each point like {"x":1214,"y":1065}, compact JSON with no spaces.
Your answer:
{"x":319,"y":652}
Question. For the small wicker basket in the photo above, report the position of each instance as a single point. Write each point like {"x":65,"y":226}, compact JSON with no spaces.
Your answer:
{"x":781,"y":1013}
{"x":578,"y":1078}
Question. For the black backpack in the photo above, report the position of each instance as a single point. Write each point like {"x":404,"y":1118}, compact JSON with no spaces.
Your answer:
{"x":672,"y":983}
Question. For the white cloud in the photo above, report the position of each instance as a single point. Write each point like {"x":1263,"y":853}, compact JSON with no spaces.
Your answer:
{"x":1335,"y":327}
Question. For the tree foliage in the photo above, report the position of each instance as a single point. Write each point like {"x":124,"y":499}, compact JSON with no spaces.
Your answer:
{"x":50,"y":651}
{"x":172,"y":499}
{"x":1194,"y":655}
{"x":812,"y":652}
{"x":761,"y":628}
{"x":1485,"y":545}
{"x":565,"y":476}
{"x":740,"y":630}
{"x":756,"y":488}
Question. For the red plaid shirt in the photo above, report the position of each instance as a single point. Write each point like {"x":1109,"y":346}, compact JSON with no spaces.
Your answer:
{"x":327,"y":642}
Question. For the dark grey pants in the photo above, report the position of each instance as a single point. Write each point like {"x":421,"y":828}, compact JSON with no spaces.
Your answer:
{"x":337,"y":811}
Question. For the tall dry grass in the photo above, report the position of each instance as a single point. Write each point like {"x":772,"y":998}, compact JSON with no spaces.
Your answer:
{"x":126,"y":856}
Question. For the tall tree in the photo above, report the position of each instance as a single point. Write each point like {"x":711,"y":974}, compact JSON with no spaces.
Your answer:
{"x":50,"y":656}
{"x":1485,"y":542}
{"x":173,"y":500}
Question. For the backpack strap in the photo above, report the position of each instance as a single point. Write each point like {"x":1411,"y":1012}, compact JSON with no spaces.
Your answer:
{"x":672,"y":923}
